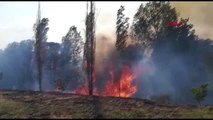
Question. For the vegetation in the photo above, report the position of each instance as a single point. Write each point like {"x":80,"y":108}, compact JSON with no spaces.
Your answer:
{"x":122,"y":26}
{"x":15,"y":104}
{"x":181,"y":59}
{"x":11,"y":109}
{"x":199,"y":93}
{"x":41,"y":30}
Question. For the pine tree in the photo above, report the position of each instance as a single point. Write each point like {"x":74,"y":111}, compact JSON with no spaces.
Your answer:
{"x":40,"y":29}
{"x":72,"y":45}
{"x":89,"y":47}
{"x":122,"y":26}
{"x":150,"y":22}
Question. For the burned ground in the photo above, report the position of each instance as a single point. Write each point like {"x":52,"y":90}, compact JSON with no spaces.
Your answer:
{"x":29,"y":104}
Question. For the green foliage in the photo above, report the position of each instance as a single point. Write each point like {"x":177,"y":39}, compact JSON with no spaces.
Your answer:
{"x":72,"y":45}
{"x":199,"y":93}
{"x":151,"y":20}
{"x":122,"y":26}
{"x":71,"y":49}
{"x":10,"y":109}
{"x":40,"y":28}
{"x":151,"y":30}
{"x":168,"y":45}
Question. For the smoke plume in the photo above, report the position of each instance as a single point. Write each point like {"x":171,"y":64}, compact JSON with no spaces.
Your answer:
{"x":200,"y":15}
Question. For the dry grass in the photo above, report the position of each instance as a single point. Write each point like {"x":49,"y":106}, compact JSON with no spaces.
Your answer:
{"x":14,"y":104}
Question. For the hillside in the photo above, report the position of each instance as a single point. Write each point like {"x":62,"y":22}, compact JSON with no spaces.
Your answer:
{"x":29,"y":104}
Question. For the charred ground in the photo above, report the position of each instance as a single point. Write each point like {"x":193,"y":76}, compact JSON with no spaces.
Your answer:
{"x":31,"y":104}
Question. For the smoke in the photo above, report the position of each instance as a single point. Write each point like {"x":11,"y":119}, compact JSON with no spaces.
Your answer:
{"x":16,"y":67}
{"x":104,"y":46}
{"x":200,"y":15}
{"x":171,"y":79}
{"x":174,"y":77}
{"x":109,"y":58}
{"x":168,"y":73}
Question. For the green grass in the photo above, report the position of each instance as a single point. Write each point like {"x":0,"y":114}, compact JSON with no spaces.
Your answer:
{"x":196,"y":113}
{"x":10,"y":109}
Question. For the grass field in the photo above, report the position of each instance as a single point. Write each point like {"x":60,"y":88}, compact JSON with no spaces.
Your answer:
{"x":28,"y":104}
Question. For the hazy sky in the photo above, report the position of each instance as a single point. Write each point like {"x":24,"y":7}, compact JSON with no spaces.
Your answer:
{"x":200,"y":15}
{"x":17,"y":18}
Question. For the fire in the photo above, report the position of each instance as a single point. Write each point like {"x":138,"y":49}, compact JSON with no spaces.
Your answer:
{"x":126,"y":82}
{"x":127,"y":88}
{"x":81,"y":90}
{"x":111,"y":88}
{"x":84,"y":90}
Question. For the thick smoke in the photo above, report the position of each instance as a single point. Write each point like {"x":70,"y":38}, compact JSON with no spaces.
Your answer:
{"x":174,"y":76}
{"x":103,"y":58}
{"x":107,"y":57}
{"x":16,"y":66}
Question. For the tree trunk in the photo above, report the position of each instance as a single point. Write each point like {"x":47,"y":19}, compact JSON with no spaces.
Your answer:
{"x":40,"y":79}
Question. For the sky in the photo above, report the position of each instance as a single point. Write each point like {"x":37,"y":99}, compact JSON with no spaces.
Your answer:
{"x":17,"y":18}
{"x":200,"y":15}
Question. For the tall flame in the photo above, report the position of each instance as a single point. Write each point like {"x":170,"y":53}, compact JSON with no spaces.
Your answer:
{"x":127,"y":88}
{"x":111,"y":88}
{"x":84,"y":89}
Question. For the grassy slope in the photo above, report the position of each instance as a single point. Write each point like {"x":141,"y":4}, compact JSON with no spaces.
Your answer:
{"x":14,"y":104}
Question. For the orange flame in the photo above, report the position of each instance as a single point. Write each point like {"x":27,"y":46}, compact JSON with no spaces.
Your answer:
{"x":84,"y":90}
{"x":126,"y":82}
{"x":111,"y":88}
{"x":127,"y":88}
{"x":81,"y":90}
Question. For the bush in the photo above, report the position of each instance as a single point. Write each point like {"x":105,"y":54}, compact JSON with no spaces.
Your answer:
{"x":199,"y":93}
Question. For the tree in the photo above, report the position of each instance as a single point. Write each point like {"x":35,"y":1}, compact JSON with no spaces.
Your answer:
{"x":17,"y":69}
{"x":150,"y":22}
{"x":25,"y":54}
{"x":173,"y":49}
{"x":199,"y":93}
{"x":122,"y":26}
{"x":52,"y":57}
{"x":41,"y":30}
{"x":89,"y":47}
{"x":72,"y":45}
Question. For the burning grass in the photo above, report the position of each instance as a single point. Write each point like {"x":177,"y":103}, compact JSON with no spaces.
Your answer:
{"x":26,"y":104}
{"x":111,"y":88}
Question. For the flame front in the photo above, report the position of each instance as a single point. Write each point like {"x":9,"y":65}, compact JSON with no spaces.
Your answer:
{"x":127,"y":88}
{"x":84,"y":89}
{"x":111,"y":88}
{"x":81,"y":90}
{"x":126,"y":82}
